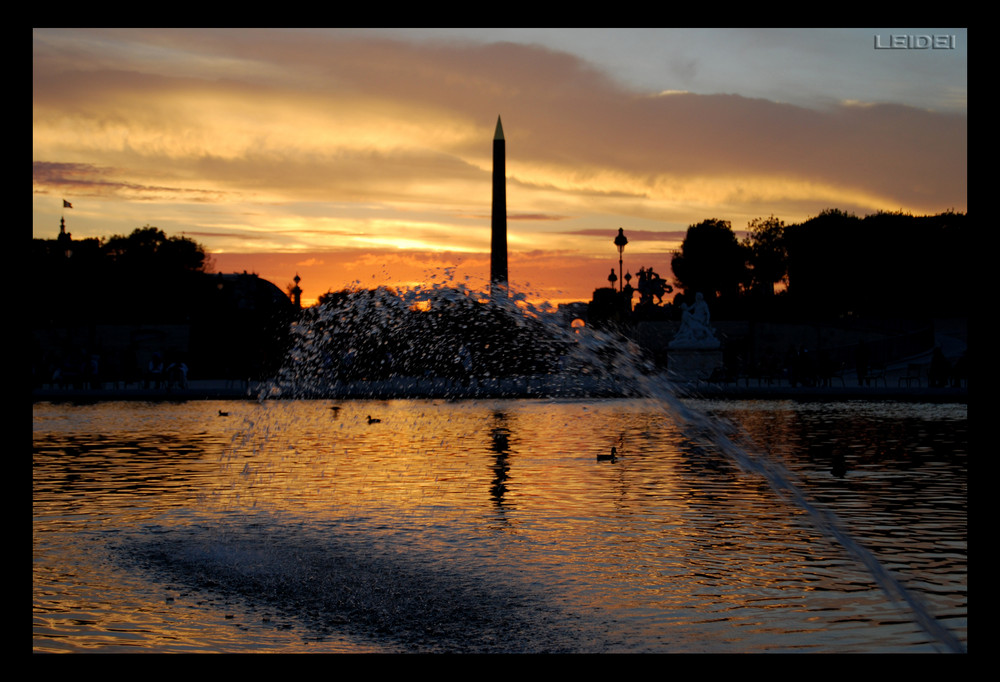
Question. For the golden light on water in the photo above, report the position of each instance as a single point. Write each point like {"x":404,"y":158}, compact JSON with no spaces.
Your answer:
{"x":670,"y":548}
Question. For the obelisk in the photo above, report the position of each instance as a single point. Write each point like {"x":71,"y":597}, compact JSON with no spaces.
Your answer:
{"x":498,"y":245}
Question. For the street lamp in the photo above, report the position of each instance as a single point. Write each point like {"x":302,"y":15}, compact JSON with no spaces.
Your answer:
{"x":620,"y":242}
{"x":297,"y":291}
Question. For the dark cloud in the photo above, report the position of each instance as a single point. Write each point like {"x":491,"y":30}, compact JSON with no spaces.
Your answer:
{"x":241,"y":236}
{"x":635,"y":235}
{"x":561,"y":115}
{"x":83,"y":179}
{"x":535,"y":217}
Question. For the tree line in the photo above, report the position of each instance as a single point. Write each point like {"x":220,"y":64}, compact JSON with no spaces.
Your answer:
{"x":145,"y":276}
{"x":236,"y":324}
{"x":832,"y":265}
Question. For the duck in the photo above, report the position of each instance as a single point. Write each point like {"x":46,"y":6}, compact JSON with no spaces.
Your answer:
{"x":608,"y":458}
{"x":373,"y":421}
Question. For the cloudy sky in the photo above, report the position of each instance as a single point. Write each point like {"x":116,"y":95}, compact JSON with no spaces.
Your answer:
{"x":364,"y":156}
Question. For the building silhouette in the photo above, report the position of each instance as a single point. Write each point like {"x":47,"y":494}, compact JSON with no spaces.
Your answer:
{"x":98,"y":321}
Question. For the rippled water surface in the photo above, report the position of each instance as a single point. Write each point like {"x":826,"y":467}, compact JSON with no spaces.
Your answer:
{"x":492,"y":526}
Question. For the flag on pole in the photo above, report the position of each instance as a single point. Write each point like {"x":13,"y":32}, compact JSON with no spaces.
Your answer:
{"x":66,"y":204}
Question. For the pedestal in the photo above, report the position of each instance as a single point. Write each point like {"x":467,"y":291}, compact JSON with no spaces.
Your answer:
{"x":692,"y":364}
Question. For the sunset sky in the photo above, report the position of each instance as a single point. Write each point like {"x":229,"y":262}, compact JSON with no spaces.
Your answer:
{"x":364,"y":156}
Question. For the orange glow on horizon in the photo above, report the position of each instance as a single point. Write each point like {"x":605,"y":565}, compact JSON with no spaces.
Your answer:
{"x":538,"y":279}
{"x":363,"y":162}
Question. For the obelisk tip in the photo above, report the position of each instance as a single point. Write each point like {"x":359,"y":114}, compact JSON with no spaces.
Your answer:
{"x":499,"y":134}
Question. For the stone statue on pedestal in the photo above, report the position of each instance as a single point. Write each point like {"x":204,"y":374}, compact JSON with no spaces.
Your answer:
{"x":695,"y":331}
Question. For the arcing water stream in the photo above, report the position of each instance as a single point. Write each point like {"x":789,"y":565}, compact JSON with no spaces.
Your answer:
{"x":345,"y":511}
{"x":403,"y":335}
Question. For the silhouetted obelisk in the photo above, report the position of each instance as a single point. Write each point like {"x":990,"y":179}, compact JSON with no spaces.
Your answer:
{"x":498,"y":245}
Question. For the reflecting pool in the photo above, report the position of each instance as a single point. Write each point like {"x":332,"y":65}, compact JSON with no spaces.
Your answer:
{"x":493,"y":526}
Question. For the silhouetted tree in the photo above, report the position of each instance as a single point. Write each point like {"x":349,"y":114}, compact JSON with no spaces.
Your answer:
{"x":149,"y":247}
{"x":148,"y":275}
{"x":884,"y":265}
{"x":826,"y":262}
{"x":768,"y":257}
{"x":711,"y":261}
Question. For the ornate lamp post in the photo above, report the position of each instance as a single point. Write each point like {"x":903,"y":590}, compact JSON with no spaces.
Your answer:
{"x":297,"y":292}
{"x":620,"y":242}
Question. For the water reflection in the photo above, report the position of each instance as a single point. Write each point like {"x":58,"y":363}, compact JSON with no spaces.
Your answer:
{"x":500,"y":444}
{"x":486,"y":527}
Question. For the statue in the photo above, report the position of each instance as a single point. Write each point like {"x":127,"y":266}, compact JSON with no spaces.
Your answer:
{"x":695,"y":331}
{"x":650,"y":285}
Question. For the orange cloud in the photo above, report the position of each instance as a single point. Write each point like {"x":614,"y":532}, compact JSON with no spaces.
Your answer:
{"x":308,"y":142}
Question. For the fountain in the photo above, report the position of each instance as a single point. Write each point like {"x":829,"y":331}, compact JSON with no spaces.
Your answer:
{"x":446,"y":342}
{"x":456,"y":343}
{"x":467,"y":525}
